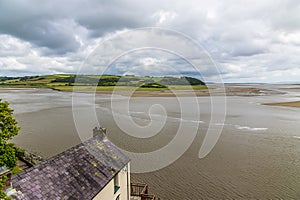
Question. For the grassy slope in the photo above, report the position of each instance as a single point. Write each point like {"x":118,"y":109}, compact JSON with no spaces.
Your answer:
{"x":45,"y":81}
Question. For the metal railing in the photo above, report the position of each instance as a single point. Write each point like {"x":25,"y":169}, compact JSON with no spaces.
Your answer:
{"x":141,"y":190}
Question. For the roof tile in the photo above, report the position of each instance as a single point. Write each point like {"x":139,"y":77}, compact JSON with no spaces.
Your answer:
{"x":78,"y":173}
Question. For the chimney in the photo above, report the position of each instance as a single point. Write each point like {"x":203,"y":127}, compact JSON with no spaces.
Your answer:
{"x":99,"y":131}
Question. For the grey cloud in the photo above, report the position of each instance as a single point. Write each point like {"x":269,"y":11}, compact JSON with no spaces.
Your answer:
{"x":18,"y":72}
{"x":285,"y":16}
{"x":12,"y":47}
{"x":245,"y":38}
{"x":54,"y":24}
{"x":105,"y":18}
{"x":57,"y":36}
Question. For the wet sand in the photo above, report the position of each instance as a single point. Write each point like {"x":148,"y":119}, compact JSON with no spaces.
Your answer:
{"x":289,"y":104}
{"x":47,"y":132}
{"x":246,"y":167}
{"x":228,"y":90}
{"x":241,"y":166}
{"x":246,"y":163}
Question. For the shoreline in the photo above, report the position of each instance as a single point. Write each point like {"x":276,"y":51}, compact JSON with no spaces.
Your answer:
{"x":294,"y":104}
{"x":210,"y":91}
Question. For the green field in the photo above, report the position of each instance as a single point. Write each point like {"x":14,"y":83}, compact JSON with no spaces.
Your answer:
{"x":70,"y":82}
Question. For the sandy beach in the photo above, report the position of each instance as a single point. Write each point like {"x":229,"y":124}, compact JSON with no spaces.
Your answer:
{"x":289,"y":104}
{"x":217,"y":90}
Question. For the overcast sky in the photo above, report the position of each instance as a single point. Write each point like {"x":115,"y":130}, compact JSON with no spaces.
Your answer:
{"x":250,"y":41}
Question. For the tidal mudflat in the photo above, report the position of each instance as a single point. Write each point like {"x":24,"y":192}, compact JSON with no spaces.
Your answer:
{"x":256,"y":157}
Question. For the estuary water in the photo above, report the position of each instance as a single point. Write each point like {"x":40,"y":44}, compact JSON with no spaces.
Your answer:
{"x":256,"y":157}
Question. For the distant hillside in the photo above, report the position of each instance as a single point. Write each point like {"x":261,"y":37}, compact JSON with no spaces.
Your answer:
{"x":63,"y":80}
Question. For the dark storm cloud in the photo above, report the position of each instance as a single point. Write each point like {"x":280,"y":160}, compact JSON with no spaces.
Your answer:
{"x":54,"y":24}
{"x":37,"y":25}
{"x":110,"y":16}
{"x":42,"y":33}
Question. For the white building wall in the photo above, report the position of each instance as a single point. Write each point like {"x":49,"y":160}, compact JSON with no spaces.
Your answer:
{"x":107,"y":193}
{"x":124,"y":185}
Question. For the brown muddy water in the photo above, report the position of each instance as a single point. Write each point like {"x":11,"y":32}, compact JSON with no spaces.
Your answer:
{"x":256,"y":157}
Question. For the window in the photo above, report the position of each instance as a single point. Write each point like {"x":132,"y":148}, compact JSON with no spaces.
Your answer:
{"x":116,"y":183}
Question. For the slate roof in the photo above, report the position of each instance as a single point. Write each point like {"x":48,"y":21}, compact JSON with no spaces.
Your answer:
{"x":78,"y":173}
